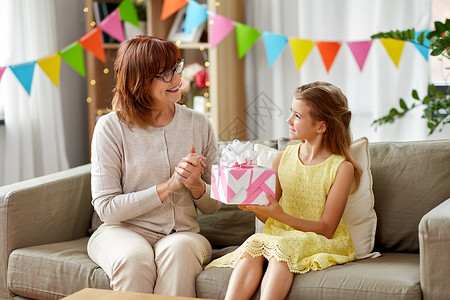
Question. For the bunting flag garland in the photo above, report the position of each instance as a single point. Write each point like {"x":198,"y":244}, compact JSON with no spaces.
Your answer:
{"x":24,"y":73}
{"x":112,"y":25}
{"x":2,"y":70}
{"x":51,"y":65}
{"x":128,"y":13}
{"x":219,"y":27}
{"x":196,"y":14}
{"x":170,"y":7}
{"x":246,"y":36}
{"x":394,"y":48}
{"x":92,"y":41}
{"x":300,"y":50}
{"x":425,"y":48}
{"x":360,"y":51}
{"x":328,"y":51}
{"x":73,"y":56}
{"x":275,"y":44}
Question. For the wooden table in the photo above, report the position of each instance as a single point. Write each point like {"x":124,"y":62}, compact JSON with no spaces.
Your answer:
{"x":98,"y":294}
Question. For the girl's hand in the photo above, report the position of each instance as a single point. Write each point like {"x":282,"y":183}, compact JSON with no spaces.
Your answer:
{"x":272,"y":210}
{"x":189,"y":171}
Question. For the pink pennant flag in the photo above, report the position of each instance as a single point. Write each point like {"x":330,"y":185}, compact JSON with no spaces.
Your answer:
{"x":2,"y":70}
{"x":112,"y":25}
{"x":219,"y":27}
{"x":360,"y":51}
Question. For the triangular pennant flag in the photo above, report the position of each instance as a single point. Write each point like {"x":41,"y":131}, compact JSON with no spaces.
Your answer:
{"x":92,"y":41}
{"x":196,"y":14}
{"x":328,"y":51}
{"x":394,"y":48}
{"x":245,"y":38}
{"x":24,"y":72}
{"x":275,"y":44}
{"x":73,"y":55}
{"x":360,"y":51}
{"x":219,"y":28}
{"x":2,"y":70}
{"x":128,"y":12}
{"x":424,"y":49}
{"x":300,"y":50}
{"x":112,"y":25}
{"x":170,"y":7}
{"x":51,"y":65}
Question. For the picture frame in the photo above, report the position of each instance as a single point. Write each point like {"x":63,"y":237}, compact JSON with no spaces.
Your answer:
{"x":176,"y":32}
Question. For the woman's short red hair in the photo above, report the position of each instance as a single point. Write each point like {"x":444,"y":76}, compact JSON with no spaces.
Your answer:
{"x":137,"y":63}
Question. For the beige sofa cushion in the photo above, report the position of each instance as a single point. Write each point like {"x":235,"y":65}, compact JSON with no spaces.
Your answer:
{"x":409,"y":179}
{"x":393,"y":276}
{"x":53,"y":271}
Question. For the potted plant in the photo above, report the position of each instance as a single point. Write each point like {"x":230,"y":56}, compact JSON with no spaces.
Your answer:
{"x":435,"y":105}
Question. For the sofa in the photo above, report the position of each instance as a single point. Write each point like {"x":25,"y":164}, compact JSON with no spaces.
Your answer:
{"x":45,"y":224}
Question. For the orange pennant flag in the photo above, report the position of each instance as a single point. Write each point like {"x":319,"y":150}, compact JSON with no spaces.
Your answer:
{"x":328,"y":51}
{"x":92,"y":42}
{"x":394,"y":48}
{"x":51,"y":65}
{"x":171,"y":6}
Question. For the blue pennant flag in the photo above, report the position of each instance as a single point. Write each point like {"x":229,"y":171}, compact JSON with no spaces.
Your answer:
{"x":196,"y":14}
{"x":24,"y":72}
{"x":275,"y":44}
{"x":425,"y":48}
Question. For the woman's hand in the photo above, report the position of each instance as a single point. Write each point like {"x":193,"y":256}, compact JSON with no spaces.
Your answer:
{"x":272,"y":210}
{"x":189,"y":171}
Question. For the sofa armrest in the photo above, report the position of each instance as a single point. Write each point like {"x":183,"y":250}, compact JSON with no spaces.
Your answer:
{"x":47,"y":209}
{"x":434,"y":241}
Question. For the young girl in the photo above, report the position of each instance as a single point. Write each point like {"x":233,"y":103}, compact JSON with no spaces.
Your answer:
{"x":303,"y":228}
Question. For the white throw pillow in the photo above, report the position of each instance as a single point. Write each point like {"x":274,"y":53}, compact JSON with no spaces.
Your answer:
{"x":359,"y":215}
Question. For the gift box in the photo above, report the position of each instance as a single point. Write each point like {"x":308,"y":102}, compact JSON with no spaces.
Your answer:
{"x":237,"y":180}
{"x":242,"y":185}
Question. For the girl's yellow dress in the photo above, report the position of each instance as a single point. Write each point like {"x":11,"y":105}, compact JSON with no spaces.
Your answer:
{"x":305,"y":189}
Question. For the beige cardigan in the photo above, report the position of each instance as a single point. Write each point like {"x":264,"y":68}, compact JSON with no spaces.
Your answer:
{"x":128,"y":164}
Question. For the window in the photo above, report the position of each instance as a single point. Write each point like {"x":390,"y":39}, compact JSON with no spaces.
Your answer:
{"x":439,"y":66}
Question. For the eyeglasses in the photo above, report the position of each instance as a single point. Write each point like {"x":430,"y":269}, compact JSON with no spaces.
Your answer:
{"x":168,"y":75}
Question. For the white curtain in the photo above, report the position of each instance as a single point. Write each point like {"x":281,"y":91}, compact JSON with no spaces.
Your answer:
{"x":371,"y":92}
{"x":32,"y":141}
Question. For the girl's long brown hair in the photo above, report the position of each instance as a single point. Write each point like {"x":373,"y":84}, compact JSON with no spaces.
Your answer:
{"x":137,"y":63}
{"x":329,"y":104}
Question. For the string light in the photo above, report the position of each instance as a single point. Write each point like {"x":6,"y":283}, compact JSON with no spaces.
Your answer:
{"x":211,"y":22}
{"x":217,"y":4}
{"x":106,"y":70}
{"x":93,"y":24}
{"x":88,"y":99}
{"x":93,"y":82}
{"x":208,"y":104}
{"x":207,"y":83}
{"x":178,"y":42}
{"x":86,"y":9}
{"x":201,"y":48}
{"x":206,"y":63}
{"x":99,"y":113}
{"x":206,"y":94}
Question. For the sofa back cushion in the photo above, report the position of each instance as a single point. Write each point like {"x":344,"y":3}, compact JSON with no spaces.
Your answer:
{"x":230,"y":226}
{"x":409,"y":179}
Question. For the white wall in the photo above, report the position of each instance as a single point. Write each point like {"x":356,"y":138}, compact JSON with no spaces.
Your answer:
{"x":71,"y":26}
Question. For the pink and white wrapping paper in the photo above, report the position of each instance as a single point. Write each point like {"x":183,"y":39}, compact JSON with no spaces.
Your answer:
{"x":237,"y":181}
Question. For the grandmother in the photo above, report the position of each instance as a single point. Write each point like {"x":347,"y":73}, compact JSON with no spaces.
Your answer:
{"x":151,"y":163}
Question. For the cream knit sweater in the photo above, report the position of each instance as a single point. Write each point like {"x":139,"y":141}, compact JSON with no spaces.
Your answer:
{"x":128,"y":164}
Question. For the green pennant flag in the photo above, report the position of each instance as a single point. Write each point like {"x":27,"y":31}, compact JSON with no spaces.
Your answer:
{"x":245,"y":38}
{"x":73,"y":55}
{"x":128,"y":12}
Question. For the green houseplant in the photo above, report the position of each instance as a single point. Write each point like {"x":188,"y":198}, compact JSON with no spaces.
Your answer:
{"x":435,"y":105}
